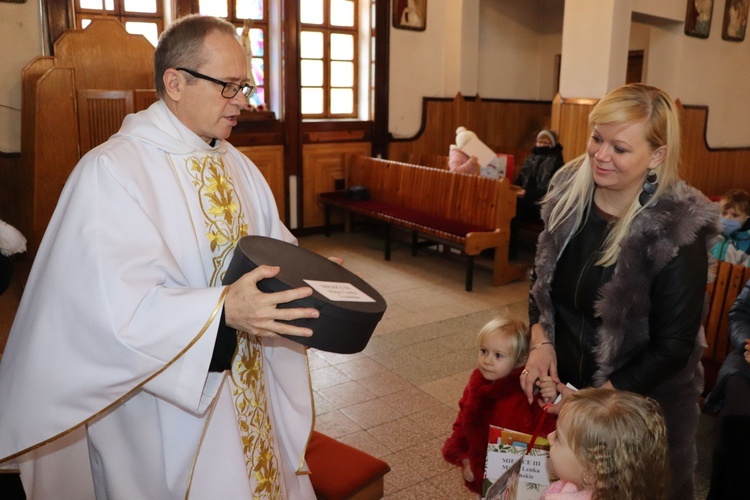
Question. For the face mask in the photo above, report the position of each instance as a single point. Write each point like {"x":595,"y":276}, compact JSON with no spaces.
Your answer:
{"x":730,"y":225}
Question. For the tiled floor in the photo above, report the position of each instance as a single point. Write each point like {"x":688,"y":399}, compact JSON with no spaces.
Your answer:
{"x":398,"y":398}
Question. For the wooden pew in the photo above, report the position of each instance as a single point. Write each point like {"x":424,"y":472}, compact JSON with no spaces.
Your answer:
{"x":442,"y":162}
{"x":467,"y":212}
{"x":73,"y":102}
{"x":429,"y":160}
{"x":722,"y":292}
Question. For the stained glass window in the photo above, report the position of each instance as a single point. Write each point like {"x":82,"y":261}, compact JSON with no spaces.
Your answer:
{"x":328,"y":52}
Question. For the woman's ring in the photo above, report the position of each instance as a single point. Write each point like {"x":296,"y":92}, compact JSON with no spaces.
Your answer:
{"x":525,"y":372}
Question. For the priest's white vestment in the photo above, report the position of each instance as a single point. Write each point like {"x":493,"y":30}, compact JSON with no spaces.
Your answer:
{"x":107,"y":360}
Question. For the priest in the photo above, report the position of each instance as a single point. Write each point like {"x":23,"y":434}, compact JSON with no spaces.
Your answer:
{"x":130,"y":371}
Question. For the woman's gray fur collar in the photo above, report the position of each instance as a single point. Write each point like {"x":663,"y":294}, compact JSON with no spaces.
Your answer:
{"x":655,"y":237}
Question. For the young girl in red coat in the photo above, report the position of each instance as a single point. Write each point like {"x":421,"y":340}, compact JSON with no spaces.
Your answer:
{"x":493,"y":396}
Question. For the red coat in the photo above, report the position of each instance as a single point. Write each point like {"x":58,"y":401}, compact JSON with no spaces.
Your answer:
{"x":484,"y":403}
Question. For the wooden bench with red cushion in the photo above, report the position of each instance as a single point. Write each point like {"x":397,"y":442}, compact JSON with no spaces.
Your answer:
{"x":467,"y":212}
{"x":338,"y":471}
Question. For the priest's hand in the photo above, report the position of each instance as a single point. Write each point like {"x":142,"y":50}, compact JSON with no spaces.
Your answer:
{"x":248,"y":309}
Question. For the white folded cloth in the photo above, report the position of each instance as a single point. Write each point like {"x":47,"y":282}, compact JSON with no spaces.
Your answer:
{"x":11,"y":240}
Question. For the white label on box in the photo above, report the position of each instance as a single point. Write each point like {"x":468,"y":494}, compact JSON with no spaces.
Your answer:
{"x":339,"y":292}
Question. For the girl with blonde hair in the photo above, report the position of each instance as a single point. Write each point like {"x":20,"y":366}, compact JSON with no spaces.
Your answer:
{"x":492,"y":397}
{"x":609,"y":445}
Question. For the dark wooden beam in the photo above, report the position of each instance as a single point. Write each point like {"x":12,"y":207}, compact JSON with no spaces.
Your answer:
{"x":291,"y":105}
{"x":60,"y":18}
{"x":382,"y":76}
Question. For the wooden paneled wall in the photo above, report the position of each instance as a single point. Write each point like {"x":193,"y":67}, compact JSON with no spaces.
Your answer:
{"x":570,"y":117}
{"x":323,"y":165}
{"x":505,"y":126}
{"x":49,"y":146}
{"x":270,"y":162}
{"x":71,"y":103}
{"x":105,"y":56}
{"x":712,"y":170}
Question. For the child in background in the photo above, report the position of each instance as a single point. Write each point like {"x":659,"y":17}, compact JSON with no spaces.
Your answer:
{"x":493,"y":396}
{"x":611,"y":445}
{"x":469,"y":155}
{"x":458,"y":161}
{"x":734,"y":244}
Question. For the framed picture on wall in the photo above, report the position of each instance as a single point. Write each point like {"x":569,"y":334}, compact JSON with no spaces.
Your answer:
{"x":410,"y":14}
{"x":698,"y":17}
{"x":735,"y":20}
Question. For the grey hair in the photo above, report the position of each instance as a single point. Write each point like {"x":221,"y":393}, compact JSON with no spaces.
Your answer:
{"x":181,"y":45}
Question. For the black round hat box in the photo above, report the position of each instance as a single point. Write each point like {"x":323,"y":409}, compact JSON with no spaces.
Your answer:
{"x":350,"y":309}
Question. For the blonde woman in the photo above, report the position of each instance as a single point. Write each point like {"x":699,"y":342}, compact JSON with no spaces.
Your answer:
{"x":621,"y":268}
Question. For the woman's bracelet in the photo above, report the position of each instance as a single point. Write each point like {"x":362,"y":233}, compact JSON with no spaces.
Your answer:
{"x":540,"y":344}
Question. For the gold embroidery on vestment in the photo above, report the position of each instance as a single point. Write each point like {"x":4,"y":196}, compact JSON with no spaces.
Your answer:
{"x":252,"y":414}
{"x":225,"y":225}
{"x":223,"y":215}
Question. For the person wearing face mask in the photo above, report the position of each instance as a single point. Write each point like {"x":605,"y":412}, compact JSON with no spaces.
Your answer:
{"x":734,"y":243}
{"x":533,"y":180}
{"x":536,"y":172}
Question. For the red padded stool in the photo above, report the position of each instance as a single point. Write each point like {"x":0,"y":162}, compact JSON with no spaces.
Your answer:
{"x":339,"y":472}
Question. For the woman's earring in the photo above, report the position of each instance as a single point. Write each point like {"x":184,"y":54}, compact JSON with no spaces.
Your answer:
{"x":649,"y":188}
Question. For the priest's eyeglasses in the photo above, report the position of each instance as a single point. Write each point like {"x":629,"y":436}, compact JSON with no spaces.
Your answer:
{"x":229,"y":89}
